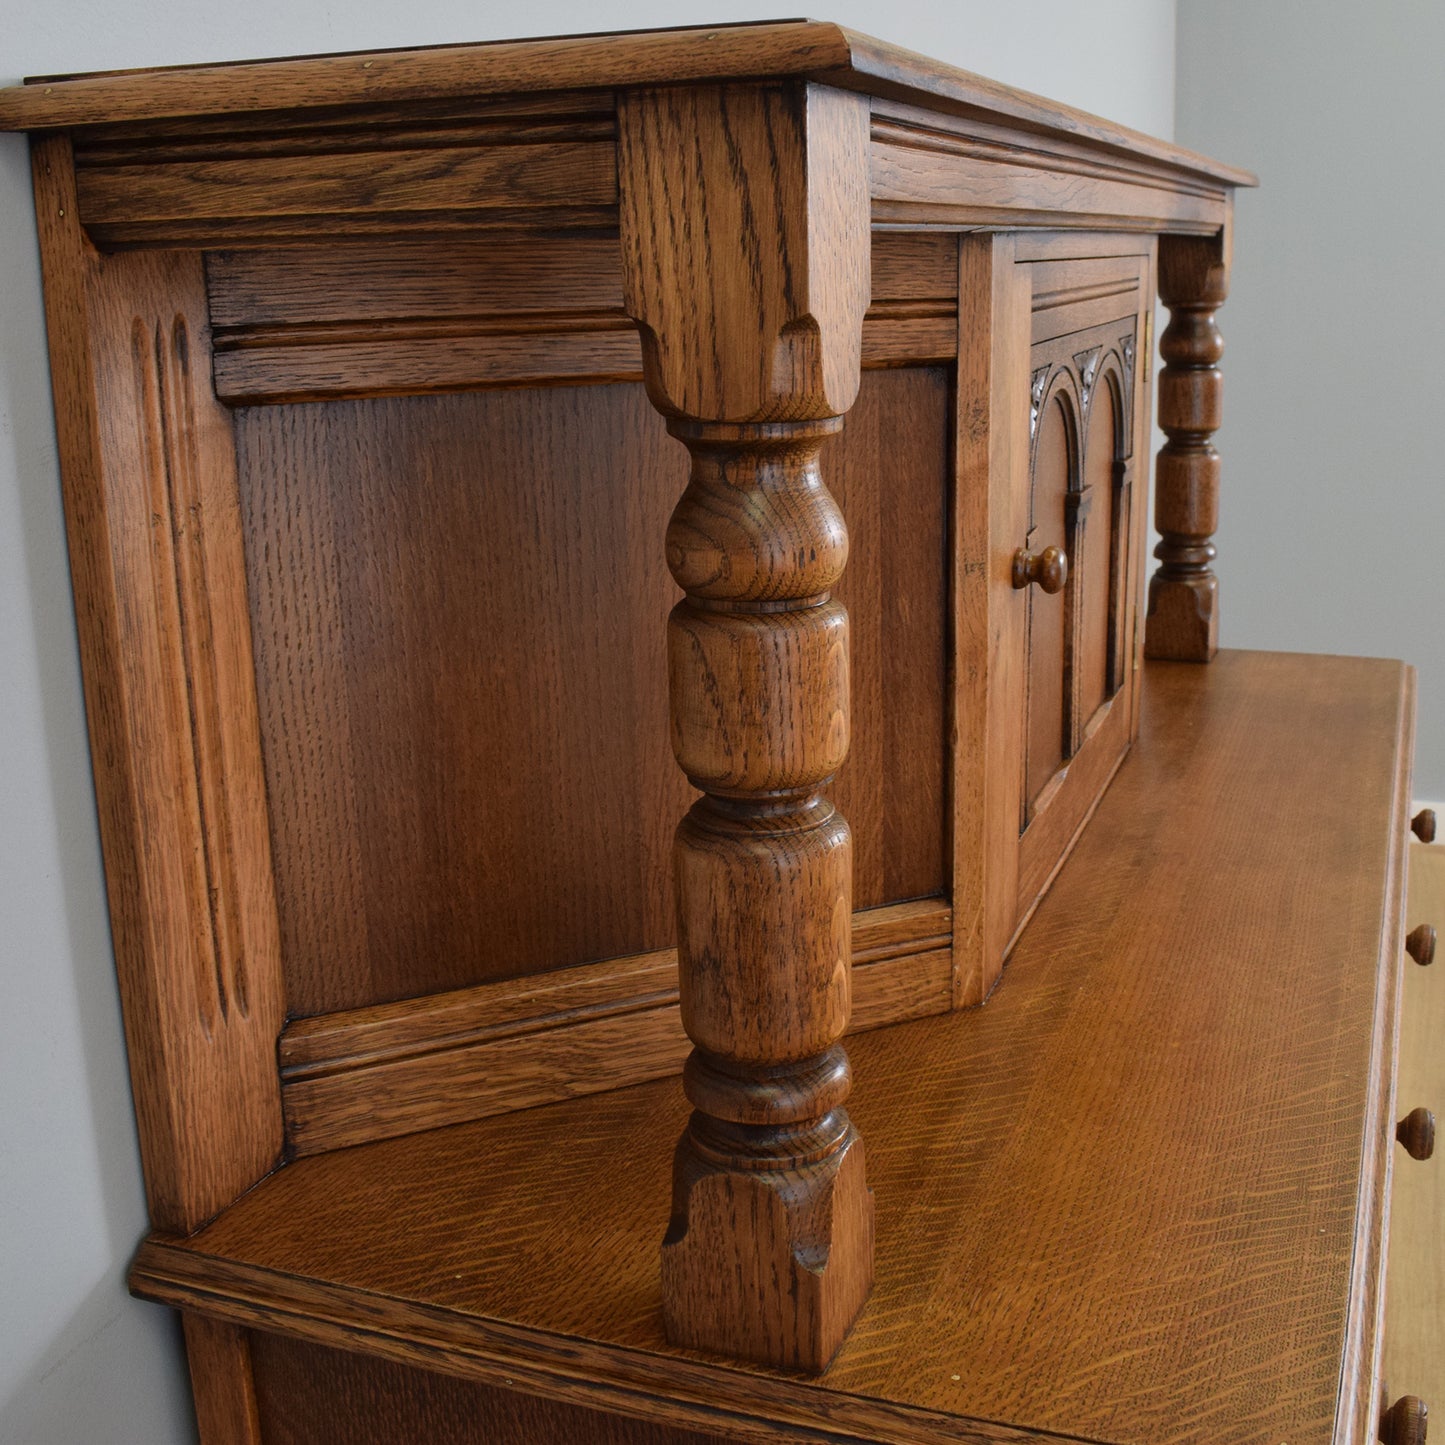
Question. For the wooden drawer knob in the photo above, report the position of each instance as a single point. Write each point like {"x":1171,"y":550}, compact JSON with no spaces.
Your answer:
{"x":1405,"y":1421}
{"x":1420,"y":944}
{"x":1049,"y":568}
{"x":1416,"y":1131}
{"x":1422,"y":825}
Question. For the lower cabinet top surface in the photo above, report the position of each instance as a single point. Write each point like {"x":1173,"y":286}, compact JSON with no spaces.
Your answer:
{"x":1135,"y":1197}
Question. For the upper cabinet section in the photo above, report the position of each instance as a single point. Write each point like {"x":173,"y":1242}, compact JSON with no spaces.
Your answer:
{"x":524,"y":133}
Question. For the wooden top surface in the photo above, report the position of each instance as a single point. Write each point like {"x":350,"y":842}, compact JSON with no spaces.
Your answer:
{"x":1119,"y":1202}
{"x":804,"y":48}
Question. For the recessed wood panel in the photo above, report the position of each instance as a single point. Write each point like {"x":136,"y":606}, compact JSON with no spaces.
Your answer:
{"x":458,"y":609}
{"x":1100,"y":547}
{"x":1053,"y":471}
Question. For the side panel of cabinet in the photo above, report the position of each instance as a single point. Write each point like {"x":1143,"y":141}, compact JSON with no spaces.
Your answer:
{"x":1052,"y":453}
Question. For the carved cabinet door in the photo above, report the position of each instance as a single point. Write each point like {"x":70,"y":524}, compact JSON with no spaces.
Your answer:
{"x":1079,"y":547}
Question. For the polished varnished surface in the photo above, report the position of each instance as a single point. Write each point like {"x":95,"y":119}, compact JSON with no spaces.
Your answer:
{"x":452,"y":72}
{"x":464,"y":708}
{"x":1120,"y":1201}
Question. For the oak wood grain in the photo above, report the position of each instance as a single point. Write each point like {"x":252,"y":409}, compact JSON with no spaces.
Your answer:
{"x":408,"y":189}
{"x":502,"y":276}
{"x":370,"y":1073}
{"x":223,"y":1384}
{"x":990,"y":521}
{"x":310,"y":1394}
{"x":537,"y":799}
{"x":716,"y":53}
{"x":746,"y":255}
{"x":1218,"y":1094}
{"x":156,"y":564}
{"x":1082,"y":691}
{"x":924,"y":171}
{"x":1183,"y":618}
{"x":1361,"y":1385}
{"x":316,"y":324}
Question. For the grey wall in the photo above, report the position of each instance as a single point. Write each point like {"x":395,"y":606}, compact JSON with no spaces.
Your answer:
{"x":80,"y":1363}
{"x":1333,"y":531}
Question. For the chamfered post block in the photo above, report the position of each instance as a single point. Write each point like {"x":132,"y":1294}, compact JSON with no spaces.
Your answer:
{"x":1183,"y":620}
{"x":745,"y":237}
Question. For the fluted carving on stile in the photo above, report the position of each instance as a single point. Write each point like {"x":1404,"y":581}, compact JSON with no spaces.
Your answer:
{"x":758,"y":651}
{"x":1183,"y":622}
{"x":161,"y":355}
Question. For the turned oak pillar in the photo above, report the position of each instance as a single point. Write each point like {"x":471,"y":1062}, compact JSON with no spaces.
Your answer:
{"x":745,"y":239}
{"x":1183,"y":621}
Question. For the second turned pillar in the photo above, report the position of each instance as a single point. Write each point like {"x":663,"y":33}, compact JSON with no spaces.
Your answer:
{"x":1183,"y":620}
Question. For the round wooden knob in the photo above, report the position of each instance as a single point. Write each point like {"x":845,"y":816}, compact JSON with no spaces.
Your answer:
{"x":1405,"y":1421}
{"x":1422,"y":825}
{"x":1416,"y":1131}
{"x":1049,"y":568}
{"x":1420,"y":944}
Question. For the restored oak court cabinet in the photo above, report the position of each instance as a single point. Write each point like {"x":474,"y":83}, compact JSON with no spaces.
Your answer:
{"x":605,"y":565}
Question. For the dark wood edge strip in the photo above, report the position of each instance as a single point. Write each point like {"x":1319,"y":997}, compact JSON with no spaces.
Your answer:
{"x":1358,"y":1403}
{"x":682,"y":1391}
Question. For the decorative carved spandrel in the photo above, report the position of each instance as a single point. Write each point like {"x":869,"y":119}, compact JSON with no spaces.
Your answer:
{"x":1038,"y":385}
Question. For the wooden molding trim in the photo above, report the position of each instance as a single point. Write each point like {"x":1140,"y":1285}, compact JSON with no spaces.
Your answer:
{"x":1356,"y":1409}
{"x":363,"y":176}
{"x":303,"y":86}
{"x":932,"y":169}
{"x":750,"y":1405}
{"x":371,"y":1073}
{"x":374,"y":319}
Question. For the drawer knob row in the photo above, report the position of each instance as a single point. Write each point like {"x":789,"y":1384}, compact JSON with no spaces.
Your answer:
{"x":1420,"y":944}
{"x":1049,"y":568}
{"x":1416,"y":1131}
{"x":1405,"y":1421}
{"x":1422,"y":825}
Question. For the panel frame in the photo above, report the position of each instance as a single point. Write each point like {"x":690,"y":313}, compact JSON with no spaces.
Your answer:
{"x":149,"y":484}
{"x":587,"y":1026}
